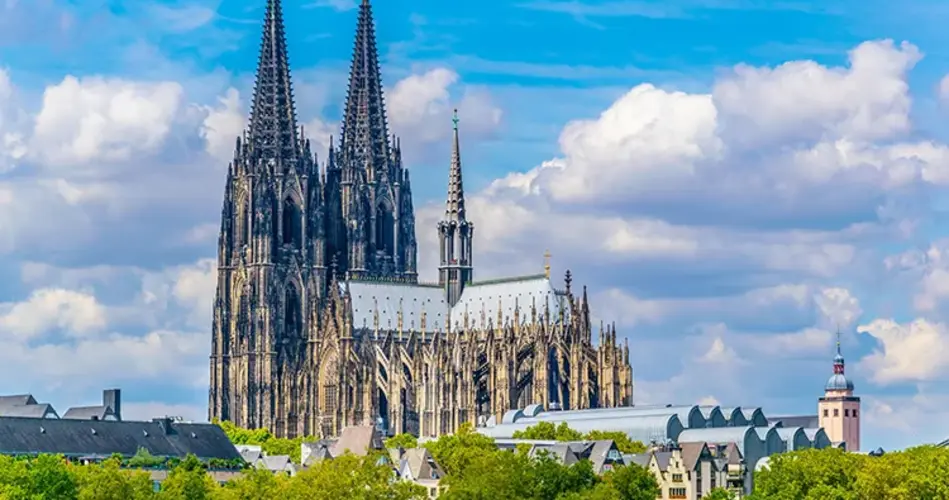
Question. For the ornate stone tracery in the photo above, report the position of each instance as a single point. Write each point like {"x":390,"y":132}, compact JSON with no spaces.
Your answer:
{"x":320,"y":321}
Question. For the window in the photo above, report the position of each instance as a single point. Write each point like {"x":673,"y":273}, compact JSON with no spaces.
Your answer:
{"x":676,"y":492}
{"x":836,"y":412}
{"x":846,"y":412}
{"x":677,"y":478}
{"x":825,"y":412}
{"x":854,"y":413}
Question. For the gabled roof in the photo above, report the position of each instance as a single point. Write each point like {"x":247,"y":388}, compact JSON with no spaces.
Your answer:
{"x":358,"y":440}
{"x":691,"y":452}
{"x":275,"y":463}
{"x":89,"y":413}
{"x":640,"y":459}
{"x":161,"y":437}
{"x":419,"y":463}
{"x":17,"y":400}
{"x":42,"y":410}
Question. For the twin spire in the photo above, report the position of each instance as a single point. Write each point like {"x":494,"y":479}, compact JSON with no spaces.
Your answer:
{"x":365,"y":134}
{"x":272,"y":131}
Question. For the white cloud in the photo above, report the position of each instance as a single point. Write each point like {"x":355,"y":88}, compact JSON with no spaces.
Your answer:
{"x":77,"y":313}
{"x":168,"y":357}
{"x":928,"y":270}
{"x":223,"y":125}
{"x":839,"y":306}
{"x":420,"y":108}
{"x":868,"y":100}
{"x":93,"y":120}
{"x":943,"y":89}
{"x":909,"y":352}
{"x":781,"y":147}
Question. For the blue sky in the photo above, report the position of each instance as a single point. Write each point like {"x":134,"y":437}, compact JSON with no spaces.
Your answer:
{"x":732,"y":179}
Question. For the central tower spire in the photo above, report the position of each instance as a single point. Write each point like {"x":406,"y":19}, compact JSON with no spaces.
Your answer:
{"x":454,"y":231}
{"x":272,"y":132}
{"x":365,"y":131}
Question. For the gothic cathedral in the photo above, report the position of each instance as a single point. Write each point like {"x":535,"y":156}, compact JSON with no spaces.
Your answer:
{"x":320,"y":321}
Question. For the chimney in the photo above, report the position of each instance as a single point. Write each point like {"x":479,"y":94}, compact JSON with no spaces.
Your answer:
{"x":113,"y":399}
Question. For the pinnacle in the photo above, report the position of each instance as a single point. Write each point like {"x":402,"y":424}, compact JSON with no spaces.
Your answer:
{"x":455,"y":207}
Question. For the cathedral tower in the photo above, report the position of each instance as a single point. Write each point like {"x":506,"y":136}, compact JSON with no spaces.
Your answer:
{"x":455,"y":233}
{"x":839,"y":409}
{"x":271,"y":269}
{"x":368,"y":190}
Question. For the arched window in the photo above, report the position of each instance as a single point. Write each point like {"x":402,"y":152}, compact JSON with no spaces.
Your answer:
{"x":292,"y":317}
{"x":385,"y":228}
{"x":292,"y":224}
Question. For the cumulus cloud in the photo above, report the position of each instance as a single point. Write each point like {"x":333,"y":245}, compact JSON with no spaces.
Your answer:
{"x":907,"y":352}
{"x":103,"y":120}
{"x":420,"y":108}
{"x":77,"y":313}
{"x":791,"y":146}
{"x":85,"y":328}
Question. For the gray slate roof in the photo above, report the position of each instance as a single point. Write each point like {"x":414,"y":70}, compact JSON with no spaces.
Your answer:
{"x":42,"y":410}
{"x":805,"y":421}
{"x":102,"y":438}
{"x":370,"y":298}
{"x":89,"y":413}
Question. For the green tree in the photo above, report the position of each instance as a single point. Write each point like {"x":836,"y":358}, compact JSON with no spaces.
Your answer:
{"x":550,"y":479}
{"x":633,"y":482}
{"x":549,"y":431}
{"x":404,"y":441}
{"x":349,"y":477}
{"x":622,"y":440}
{"x":253,"y":484}
{"x":107,"y":481}
{"x":188,"y":481}
{"x":719,"y":494}
{"x":15,"y":483}
{"x":50,"y":477}
{"x":144,"y":459}
{"x":489,"y":475}
{"x":455,"y":451}
{"x":919,"y":473}
{"x":809,"y":474}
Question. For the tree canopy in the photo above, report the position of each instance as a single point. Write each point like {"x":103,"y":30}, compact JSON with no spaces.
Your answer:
{"x":920,"y":473}
{"x":563,"y":432}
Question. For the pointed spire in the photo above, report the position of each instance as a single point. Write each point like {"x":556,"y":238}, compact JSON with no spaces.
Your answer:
{"x":455,"y":207}
{"x":364,"y":128}
{"x":273,"y":129}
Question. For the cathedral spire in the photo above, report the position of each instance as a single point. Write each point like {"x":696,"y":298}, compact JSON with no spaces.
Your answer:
{"x":364,"y":130}
{"x":273,"y":124}
{"x":455,"y":232}
{"x":455,"y":206}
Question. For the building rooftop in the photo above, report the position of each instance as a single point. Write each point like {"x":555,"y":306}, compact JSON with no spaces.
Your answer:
{"x":84,"y":438}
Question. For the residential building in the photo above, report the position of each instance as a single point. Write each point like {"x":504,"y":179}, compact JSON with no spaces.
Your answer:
{"x":741,"y":434}
{"x":683,"y":472}
{"x":602,"y":454}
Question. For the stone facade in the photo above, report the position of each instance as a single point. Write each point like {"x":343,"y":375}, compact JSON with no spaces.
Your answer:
{"x":319,"y":319}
